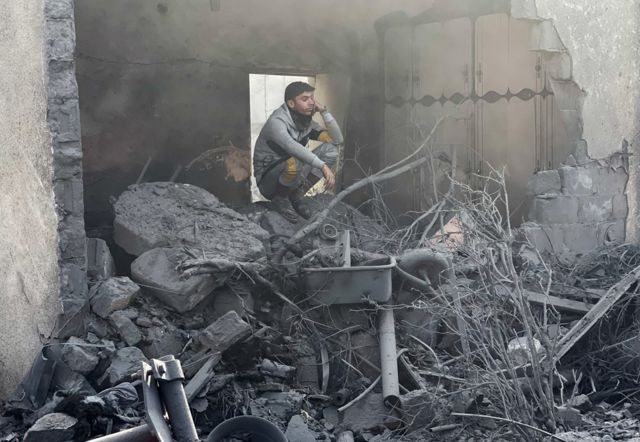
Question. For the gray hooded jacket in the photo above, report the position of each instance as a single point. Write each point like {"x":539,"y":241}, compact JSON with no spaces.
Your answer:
{"x":281,"y":139}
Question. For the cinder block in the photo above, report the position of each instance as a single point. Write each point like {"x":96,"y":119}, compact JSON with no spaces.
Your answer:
{"x":62,"y":80}
{"x":579,"y":180}
{"x":595,"y":209}
{"x":67,"y":160}
{"x":620,"y":207}
{"x":61,"y":39}
{"x":545,"y":182}
{"x":559,"y":210}
{"x":536,"y":235}
{"x":58,"y":9}
{"x":580,"y":238}
{"x":64,"y":119}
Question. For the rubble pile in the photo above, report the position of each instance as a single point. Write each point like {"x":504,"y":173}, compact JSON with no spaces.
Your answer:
{"x":482,"y":341}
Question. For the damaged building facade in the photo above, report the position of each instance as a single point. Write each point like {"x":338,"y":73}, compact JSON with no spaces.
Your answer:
{"x":98,"y":96}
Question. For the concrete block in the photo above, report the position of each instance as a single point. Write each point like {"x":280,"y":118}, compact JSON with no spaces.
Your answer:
{"x":560,"y":210}
{"x":58,"y":8}
{"x":67,"y":160}
{"x":612,"y":181}
{"x":125,"y":362}
{"x":595,"y":209}
{"x":64,"y":119}
{"x":79,"y":357}
{"x":61,"y":39}
{"x":579,"y":180}
{"x":112,"y":294}
{"x":73,"y":281}
{"x":224,"y":332}
{"x":620,"y":207}
{"x":156,"y":271}
{"x":299,"y":431}
{"x":126,"y":328}
{"x":580,"y":238}
{"x":72,"y":242}
{"x":162,"y":341}
{"x":54,"y":427}
{"x":536,"y":235}
{"x":545,"y":181}
{"x":69,"y":196}
{"x":150,"y":215}
{"x":62,"y":80}
{"x":100,"y":263}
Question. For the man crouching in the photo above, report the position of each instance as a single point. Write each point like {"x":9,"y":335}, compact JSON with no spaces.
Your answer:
{"x":284,"y":167}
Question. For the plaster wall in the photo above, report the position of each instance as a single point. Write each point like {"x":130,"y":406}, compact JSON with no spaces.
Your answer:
{"x":603,"y":42}
{"x":28,"y":225}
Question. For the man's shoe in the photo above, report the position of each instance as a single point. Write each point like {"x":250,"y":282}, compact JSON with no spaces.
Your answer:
{"x":283,"y":206}
{"x":302,"y":206}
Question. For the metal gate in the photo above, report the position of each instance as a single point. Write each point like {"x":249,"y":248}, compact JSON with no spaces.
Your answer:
{"x":482,"y":73}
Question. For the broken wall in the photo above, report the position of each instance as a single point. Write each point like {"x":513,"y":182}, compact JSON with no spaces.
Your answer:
{"x":169,"y":81}
{"x":28,"y":226}
{"x":592,"y":53}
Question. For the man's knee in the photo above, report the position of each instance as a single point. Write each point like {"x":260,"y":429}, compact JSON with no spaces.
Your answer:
{"x":328,"y":153}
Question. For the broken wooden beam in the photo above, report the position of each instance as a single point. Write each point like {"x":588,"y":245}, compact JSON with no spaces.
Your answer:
{"x":597,"y":311}
{"x":559,"y":303}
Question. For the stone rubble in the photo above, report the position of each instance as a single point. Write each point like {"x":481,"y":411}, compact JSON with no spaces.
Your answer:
{"x":250,"y":351}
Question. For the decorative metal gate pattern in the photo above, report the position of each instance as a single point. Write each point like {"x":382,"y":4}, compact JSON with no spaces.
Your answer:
{"x":481,"y":71}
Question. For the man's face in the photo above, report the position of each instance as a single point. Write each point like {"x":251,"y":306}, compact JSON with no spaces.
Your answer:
{"x":304,"y":103}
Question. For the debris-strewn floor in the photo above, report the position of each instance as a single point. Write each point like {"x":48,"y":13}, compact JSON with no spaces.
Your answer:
{"x":493,"y":340}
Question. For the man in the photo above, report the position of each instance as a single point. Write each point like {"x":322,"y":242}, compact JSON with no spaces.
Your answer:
{"x":283,"y":165}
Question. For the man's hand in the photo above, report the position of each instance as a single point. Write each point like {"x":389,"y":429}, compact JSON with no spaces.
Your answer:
{"x":320,"y":107}
{"x":329,"y":177}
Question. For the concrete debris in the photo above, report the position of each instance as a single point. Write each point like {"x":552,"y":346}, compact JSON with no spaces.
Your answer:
{"x":251,"y":345}
{"x":100,"y":263}
{"x":298,"y":430}
{"x":126,"y":328}
{"x":224,"y":332}
{"x":151,"y":215}
{"x":520,"y":351}
{"x":163,"y":340}
{"x":369,"y":414}
{"x":79,"y":356}
{"x":54,"y":427}
{"x":112,"y":294}
{"x":125,"y":362}
{"x":274,"y":369}
{"x":156,"y":271}
{"x":277,"y":406}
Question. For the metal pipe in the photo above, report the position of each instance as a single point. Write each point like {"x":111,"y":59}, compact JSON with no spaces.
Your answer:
{"x":345,"y":436}
{"x":136,"y":434}
{"x":388,"y":358}
{"x":168,"y":373}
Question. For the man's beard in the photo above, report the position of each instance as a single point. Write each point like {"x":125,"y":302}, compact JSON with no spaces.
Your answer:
{"x":301,"y":121}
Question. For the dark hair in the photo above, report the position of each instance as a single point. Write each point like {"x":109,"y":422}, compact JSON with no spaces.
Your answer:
{"x":296,"y":88}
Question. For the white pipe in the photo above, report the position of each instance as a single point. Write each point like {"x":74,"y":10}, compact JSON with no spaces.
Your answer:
{"x":388,"y":358}
{"x":345,"y":436}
